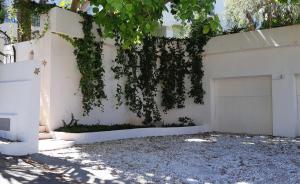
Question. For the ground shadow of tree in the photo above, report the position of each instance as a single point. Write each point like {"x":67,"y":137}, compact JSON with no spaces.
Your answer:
{"x":211,"y":158}
{"x":27,"y":170}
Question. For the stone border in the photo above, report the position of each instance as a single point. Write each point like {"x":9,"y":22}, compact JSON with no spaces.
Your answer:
{"x":93,"y":137}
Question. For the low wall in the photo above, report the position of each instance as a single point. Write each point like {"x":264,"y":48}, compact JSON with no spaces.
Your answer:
{"x":94,"y":137}
{"x":20,"y":104}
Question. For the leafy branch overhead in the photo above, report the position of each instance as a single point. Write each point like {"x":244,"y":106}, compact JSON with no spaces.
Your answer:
{"x":261,"y":14}
{"x":133,"y":20}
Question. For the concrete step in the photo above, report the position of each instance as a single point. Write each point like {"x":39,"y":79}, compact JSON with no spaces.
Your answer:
{"x":44,"y":136}
{"x":42,"y":129}
{"x":53,"y":144}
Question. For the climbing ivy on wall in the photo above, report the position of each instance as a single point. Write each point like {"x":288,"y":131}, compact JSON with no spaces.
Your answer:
{"x":161,"y":63}
{"x":195,"y":47}
{"x":148,"y":80}
{"x":88,"y":54}
{"x":172,"y":72}
{"x":139,"y":68}
{"x":157,"y":66}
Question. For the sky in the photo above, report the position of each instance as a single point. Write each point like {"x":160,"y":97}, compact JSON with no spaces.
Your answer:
{"x":219,"y":7}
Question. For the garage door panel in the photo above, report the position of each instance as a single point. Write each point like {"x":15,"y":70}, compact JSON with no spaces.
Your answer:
{"x":244,"y":86}
{"x":244,"y":115}
{"x":243,"y":105}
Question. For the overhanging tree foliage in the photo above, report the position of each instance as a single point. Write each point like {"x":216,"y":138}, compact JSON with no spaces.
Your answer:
{"x":252,"y":14}
{"x":2,"y":12}
{"x":133,"y":20}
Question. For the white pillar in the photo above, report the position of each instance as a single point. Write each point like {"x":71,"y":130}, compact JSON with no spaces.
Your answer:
{"x":284,"y":105}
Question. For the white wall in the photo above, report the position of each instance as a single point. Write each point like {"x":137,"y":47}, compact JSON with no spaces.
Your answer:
{"x":39,"y":50}
{"x":65,"y":77}
{"x":19,"y":101}
{"x":272,"y":52}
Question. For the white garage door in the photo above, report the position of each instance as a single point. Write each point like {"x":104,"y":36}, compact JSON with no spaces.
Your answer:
{"x":243,"y":105}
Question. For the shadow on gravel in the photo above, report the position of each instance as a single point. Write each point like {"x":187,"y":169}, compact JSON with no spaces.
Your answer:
{"x":34,"y":169}
{"x":24,"y":170}
{"x":69,"y":169}
{"x":211,"y":158}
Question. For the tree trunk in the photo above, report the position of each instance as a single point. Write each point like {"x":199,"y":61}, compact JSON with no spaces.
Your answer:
{"x":75,"y":5}
{"x":251,"y":23}
{"x":24,"y":20}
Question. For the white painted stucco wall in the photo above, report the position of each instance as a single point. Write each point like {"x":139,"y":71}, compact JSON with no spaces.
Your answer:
{"x":39,"y":50}
{"x":19,"y":101}
{"x":64,"y":69}
{"x":272,"y":53}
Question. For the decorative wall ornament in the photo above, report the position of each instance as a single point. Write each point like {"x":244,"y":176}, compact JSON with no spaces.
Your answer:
{"x":44,"y":62}
{"x":37,"y":71}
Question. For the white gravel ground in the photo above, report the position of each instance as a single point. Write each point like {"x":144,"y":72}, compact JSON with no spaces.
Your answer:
{"x":205,"y":158}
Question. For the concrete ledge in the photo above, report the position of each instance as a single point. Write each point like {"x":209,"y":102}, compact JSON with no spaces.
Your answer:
{"x":93,"y":137}
{"x":53,"y":144}
{"x":254,"y":40}
{"x":15,"y":149}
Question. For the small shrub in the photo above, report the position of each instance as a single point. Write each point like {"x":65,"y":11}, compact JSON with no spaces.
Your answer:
{"x":78,"y":128}
{"x":74,"y":127}
{"x":73,"y":122}
{"x":186,"y":121}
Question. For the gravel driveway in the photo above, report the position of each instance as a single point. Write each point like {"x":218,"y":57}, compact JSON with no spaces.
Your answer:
{"x":205,"y":158}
